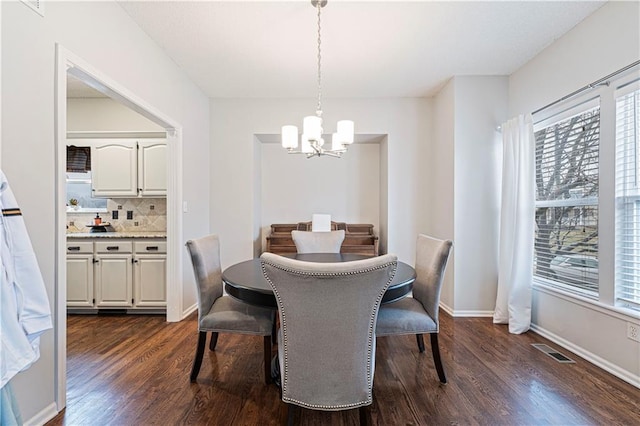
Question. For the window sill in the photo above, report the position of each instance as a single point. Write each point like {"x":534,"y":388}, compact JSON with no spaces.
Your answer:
{"x":614,"y":311}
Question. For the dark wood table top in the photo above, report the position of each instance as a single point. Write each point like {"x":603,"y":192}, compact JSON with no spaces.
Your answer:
{"x":245,"y":280}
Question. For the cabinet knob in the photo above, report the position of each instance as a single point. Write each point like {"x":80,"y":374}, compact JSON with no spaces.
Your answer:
{"x":96,"y":261}
{"x":152,"y":248}
{"x":75,"y":248}
{"x":113,"y":248}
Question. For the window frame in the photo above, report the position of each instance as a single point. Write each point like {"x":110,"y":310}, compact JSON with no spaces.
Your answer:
{"x":630,"y":200}
{"x":605,"y":301}
{"x":563,"y":111}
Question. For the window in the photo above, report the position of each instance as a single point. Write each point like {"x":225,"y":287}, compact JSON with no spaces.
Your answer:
{"x":627,"y":194}
{"x":587,"y":207}
{"x":567,"y":182}
{"x":79,"y":188}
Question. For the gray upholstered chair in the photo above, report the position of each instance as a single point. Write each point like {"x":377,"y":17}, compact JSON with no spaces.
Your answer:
{"x":327,"y":342}
{"x":223,"y":314}
{"x":318,"y":242}
{"x":419,"y":314}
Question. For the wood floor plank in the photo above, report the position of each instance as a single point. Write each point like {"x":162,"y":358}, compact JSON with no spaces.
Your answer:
{"x":134,"y":370}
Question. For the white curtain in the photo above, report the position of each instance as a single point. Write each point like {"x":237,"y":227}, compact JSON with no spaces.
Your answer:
{"x":515,"y":256}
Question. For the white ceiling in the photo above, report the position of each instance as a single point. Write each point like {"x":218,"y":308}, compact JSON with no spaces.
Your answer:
{"x":265,"y":49}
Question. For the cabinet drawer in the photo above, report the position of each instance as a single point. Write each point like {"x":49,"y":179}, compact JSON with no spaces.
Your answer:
{"x":141,"y":247}
{"x":114,"y":247}
{"x":83,"y":247}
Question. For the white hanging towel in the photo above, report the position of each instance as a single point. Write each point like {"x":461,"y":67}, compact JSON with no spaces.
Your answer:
{"x":24,"y":304}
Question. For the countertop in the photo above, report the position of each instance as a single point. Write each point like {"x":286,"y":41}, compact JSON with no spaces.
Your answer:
{"x":125,"y":234}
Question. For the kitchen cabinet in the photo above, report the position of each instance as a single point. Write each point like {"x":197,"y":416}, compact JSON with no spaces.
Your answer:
{"x":152,"y":168}
{"x":150,"y":274}
{"x":114,"y":168}
{"x":128,"y":168}
{"x":80,"y":274}
{"x":117,"y":273}
{"x":113,"y":274}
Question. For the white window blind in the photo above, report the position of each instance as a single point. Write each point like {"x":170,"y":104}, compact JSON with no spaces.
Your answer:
{"x":627,"y":223}
{"x":567,"y":179}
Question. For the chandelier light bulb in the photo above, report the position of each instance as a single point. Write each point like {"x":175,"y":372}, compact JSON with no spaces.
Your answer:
{"x":312,"y":126}
{"x":289,"y":137}
{"x":336,"y":144}
{"x":345,"y":130}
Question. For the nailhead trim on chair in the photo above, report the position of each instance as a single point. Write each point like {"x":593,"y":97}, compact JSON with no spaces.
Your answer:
{"x":283,"y":324}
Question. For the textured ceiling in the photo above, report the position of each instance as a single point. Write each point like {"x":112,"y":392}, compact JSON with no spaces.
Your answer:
{"x":266,"y":49}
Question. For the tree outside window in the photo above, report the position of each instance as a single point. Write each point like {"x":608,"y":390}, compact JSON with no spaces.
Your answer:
{"x":566,"y":235}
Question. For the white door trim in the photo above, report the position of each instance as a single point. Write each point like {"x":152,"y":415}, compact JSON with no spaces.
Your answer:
{"x":66,"y":61}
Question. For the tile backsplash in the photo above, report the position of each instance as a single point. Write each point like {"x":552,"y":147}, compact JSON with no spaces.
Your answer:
{"x":147,"y":214}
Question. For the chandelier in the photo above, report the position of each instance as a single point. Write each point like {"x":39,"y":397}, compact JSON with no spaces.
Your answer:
{"x":311,"y":142}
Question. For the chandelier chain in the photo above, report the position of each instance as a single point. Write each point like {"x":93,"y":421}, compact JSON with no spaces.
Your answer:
{"x":319,"y":107}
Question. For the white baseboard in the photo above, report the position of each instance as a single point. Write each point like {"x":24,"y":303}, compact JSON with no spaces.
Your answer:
{"x":621,"y":373}
{"x":48,"y":413}
{"x":462,"y":314}
{"x":479,"y":314}
{"x":446,"y":308}
{"x":188,"y":311}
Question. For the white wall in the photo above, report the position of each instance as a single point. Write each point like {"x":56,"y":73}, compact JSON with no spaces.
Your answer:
{"x":294,"y":187}
{"x":234,"y":122}
{"x":606,"y":41}
{"x":103,"y":35}
{"x":464,"y":188}
{"x":106,"y":115}
{"x":441,"y":180}
{"x":480,"y":107}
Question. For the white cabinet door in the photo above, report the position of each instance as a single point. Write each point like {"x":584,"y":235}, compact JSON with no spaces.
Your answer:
{"x":114,"y":168}
{"x":80,"y":280}
{"x":113,"y":274}
{"x":152,"y":168}
{"x":80,"y":274}
{"x":113,"y":280}
{"x":150,"y":273}
{"x":150,"y":280}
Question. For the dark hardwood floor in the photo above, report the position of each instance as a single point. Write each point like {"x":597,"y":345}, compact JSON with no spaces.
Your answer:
{"x":134,"y":370}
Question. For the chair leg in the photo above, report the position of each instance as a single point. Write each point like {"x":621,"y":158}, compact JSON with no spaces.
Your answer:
{"x":365,"y":415}
{"x":435,"y":349}
{"x":420,"y":341}
{"x":214,"y":341}
{"x":267,"y":359}
{"x":274,"y":328}
{"x":197,"y":362}
{"x":291,"y":411}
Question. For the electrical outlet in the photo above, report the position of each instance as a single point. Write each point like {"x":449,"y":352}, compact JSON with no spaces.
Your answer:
{"x":633,"y":331}
{"x":114,"y":214}
{"x":129,"y":214}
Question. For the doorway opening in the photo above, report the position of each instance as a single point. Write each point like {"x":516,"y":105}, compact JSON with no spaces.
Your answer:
{"x":70,"y":66}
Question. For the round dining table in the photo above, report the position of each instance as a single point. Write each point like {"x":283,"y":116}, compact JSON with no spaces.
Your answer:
{"x":246,"y":282}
